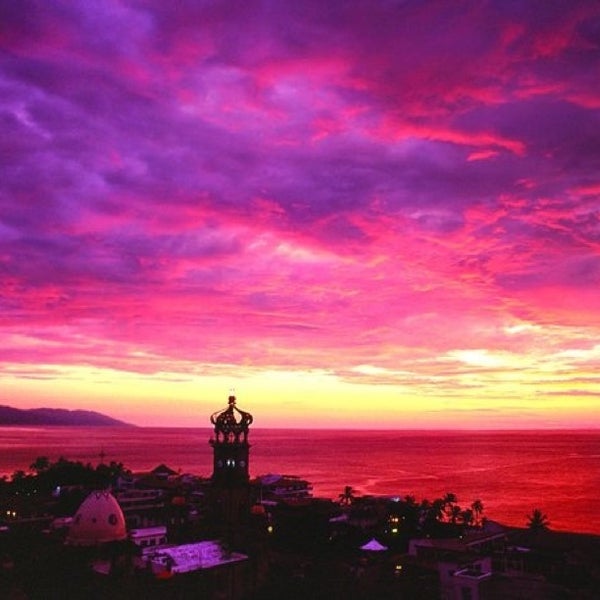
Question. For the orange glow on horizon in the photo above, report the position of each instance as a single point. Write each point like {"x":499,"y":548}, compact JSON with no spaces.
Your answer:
{"x":308,"y":400}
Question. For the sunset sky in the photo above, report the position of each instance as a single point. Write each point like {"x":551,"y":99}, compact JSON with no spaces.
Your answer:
{"x":367,"y":213}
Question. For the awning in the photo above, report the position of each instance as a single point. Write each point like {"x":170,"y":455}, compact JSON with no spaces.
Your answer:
{"x":373,"y":546}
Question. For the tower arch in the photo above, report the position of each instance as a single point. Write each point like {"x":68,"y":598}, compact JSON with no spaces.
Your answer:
{"x":231,"y":449}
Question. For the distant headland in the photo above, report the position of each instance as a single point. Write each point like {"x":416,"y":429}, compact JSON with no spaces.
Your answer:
{"x":57,"y":416}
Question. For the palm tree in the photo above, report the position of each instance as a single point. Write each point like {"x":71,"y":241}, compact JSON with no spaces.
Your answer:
{"x":41,"y":463}
{"x":537,"y":520}
{"x":454,"y":513}
{"x":467,"y":516}
{"x":450,"y":498}
{"x":410,"y":500}
{"x":448,"y":501}
{"x":437,"y":509}
{"x":411,"y":512}
{"x":347,"y":496}
{"x":423,"y":511}
{"x":477,"y":508}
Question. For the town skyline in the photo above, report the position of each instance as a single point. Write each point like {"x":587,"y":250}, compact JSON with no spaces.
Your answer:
{"x":370,"y":215}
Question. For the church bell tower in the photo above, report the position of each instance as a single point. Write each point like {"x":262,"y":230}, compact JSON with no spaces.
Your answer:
{"x":230,"y":477}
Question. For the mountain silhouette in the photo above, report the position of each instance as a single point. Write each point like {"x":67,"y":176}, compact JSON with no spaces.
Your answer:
{"x":56,"y":416}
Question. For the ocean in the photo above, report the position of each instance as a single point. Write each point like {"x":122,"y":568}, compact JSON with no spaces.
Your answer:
{"x":510,"y":472}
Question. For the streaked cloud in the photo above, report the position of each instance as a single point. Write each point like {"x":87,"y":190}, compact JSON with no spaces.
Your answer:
{"x":390,"y":199}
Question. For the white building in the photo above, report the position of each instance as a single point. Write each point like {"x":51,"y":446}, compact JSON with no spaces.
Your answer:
{"x":186,"y":558}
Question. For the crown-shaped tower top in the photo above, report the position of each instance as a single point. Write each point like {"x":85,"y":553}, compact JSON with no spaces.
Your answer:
{"x":231,"y":424}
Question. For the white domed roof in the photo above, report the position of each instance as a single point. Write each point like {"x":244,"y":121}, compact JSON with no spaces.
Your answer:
{"x":98,"y":520}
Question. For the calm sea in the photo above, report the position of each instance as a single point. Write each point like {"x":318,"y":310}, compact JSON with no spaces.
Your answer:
{"x":511,"y":472}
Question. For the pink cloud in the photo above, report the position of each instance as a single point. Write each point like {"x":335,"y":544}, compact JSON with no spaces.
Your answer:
{"x":284,"y":186}
{"x":482,"y":155}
